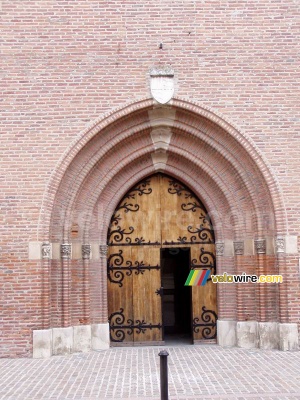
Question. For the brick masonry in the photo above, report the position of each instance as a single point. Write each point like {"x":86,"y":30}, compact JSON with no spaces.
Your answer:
{"x":77,"y":117}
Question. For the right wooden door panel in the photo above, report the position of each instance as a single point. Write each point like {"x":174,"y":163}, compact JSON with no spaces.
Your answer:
{"x":204,"y":298}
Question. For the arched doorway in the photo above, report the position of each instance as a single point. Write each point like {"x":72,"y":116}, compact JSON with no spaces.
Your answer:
{"x":224,"y":168}
{"x":159,"y":232}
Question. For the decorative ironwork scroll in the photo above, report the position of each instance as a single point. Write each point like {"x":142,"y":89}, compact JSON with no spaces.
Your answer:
{"x":115,"y":236}
{"x":123,"y":236}
{"x":117,"y":269}
{"x":200,"y":234}
{"x":177,"y":188}
{"x":140,"y":189}
{"x":129,"y":207}
{"x":207,"y":260}
{"x":119,"y":326}
{"x":204,"y":236}
{"x":207,"y":323}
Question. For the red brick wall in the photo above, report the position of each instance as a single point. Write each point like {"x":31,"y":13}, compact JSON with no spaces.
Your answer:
{"x":68,"y":63}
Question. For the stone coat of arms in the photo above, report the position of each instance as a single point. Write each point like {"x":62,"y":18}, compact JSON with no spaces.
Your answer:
{"x":162,"y":84}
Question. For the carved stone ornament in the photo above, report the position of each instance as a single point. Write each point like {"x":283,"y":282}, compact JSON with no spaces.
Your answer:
{"x":162,"y":84}
{"x":280,"y":244}
{"x":260,"y":246}
{"x":220,"y":247}
{"x":159,"y":160}
{"x":86,"y":251}
{"x":238,"y":248}
{"x":46,"y":251}
{"x":103,"y":250}
{"x":65,"y":250}
{"x":161,"y":138}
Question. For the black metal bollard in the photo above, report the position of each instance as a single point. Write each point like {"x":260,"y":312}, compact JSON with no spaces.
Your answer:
{"x":164,"y":395}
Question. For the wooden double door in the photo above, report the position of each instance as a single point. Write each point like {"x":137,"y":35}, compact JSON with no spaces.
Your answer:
{"x":158,"y":214}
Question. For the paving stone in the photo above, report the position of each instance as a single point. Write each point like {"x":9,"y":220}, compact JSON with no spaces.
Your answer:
{"x":195,"y":372}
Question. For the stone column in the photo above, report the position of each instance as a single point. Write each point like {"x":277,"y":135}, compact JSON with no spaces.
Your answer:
{"x":239,"y":253}
{"x":103,"y":250}
{"x":86,"y":255}
{"x":283,"y":288}
{"x":260,"y":249}
{"x":46,"y":290}
{"x":42,"y":338}
{"x":100,"y":330}
{"x":66,"y":249}
{"x":220,"y":248}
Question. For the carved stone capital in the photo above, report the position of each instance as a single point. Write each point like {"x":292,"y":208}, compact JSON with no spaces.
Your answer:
{"x":65,"y":251}
{"x":46,"y":251}
{"x":260,"y":246}
{"x":220,"y":247}
{"x":238,"y":247}
{"x":103,"y":250}
{"x":280,"y":244}
{"x":86,"y":251}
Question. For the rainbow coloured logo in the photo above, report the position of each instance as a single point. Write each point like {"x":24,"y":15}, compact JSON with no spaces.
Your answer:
{"x":197,"y":277}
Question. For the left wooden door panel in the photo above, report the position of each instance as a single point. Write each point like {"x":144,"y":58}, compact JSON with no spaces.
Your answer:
{"x":134,"y":277}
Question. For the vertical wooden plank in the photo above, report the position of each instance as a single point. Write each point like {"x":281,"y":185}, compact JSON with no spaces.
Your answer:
{"x":137,"y":217}
{"x":146,"y":221}
{"x":204,"y":298}
{"x":147,"y":306}
{"x":183,"y":216}
{"x":173,"y":223}
{"x":120,"y":295}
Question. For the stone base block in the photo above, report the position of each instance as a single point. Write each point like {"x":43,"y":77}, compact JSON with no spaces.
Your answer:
{"x":100,"y":336}
{"x":82,"y":338}
{"x":247,"y":334}
{"x":288,"y":337}
{"x":226,"y":333}
{"x":268,"y":335}
{"x":42,"y":343}
{"x":62,"y":341}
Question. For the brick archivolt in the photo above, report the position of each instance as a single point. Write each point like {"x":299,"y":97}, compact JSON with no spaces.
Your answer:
{"x":190,"y":143}
{"x":200,"y":148}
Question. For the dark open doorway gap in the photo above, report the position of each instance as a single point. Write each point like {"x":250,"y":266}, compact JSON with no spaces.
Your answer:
{"x":176,"y":301}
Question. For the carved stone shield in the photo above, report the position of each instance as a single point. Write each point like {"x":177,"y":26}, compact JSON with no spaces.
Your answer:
{"x":162,"y":84}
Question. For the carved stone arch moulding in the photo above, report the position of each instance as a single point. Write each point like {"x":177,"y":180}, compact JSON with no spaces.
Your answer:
{"x":193,"y":110}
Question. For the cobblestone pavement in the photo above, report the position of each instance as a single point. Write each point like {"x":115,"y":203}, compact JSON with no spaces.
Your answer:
{"x":195,"y":372}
